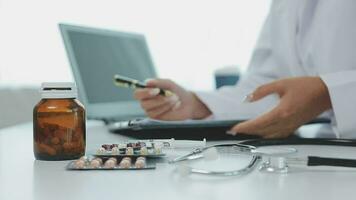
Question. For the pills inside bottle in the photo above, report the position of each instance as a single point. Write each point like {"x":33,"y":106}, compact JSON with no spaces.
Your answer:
{"x":59,"y":123}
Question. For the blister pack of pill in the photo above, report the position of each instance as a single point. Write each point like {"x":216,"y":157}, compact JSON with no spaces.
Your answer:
{"x":110,"y":163}
{"x":131,"y":149}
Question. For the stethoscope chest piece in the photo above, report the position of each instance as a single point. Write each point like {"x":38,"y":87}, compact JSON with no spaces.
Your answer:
{"x":275,"y":165}
{"x":274,"y":158}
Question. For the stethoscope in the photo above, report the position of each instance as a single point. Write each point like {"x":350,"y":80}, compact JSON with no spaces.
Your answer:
{"x":210,"y":153}
{"x":272,"y":158}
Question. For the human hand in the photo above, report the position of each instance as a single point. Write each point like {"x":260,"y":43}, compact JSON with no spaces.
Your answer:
{"x":181,"y":105}
{"x":301,"y":100}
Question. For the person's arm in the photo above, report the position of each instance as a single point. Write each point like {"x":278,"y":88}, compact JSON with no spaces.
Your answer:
{"x":301,"y":100}
{"x":227,"y":102}
{"x":181,"y":105}
{"x":327,"y":48}
{"x":334,"y":49}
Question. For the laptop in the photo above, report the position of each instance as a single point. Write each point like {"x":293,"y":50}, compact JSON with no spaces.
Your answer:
{"x":95,"y":56}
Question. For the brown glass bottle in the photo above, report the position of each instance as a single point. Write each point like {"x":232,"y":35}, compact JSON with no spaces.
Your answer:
{"x":59,"y":124}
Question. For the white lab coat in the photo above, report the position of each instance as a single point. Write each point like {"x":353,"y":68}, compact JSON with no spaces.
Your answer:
{"x":300,"y":38}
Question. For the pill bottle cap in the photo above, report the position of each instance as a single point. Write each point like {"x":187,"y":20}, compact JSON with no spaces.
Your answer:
{"x":58,"y":90}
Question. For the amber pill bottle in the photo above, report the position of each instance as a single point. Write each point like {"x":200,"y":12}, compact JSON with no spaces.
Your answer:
{"x":59,"y":123}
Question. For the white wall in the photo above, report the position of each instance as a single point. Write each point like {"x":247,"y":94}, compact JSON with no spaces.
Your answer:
{"x":187,"y":37}
{"x":17,"y":105}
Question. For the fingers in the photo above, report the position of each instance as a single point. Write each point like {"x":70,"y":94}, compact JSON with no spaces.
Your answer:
{"x":273,"y":124}
{"x":161,"y":83}
{"x":273,"y":135}
{"x":158,"y":101}
{"x":155,"y":104}
{"x":264,"y":90}
{"x":275,"y":130}
{"x":153,"y":88}
{"x":161,"y":110}
{"x":258,"y":125}
{"x":146,"y":93}
{"x":264,"y":124}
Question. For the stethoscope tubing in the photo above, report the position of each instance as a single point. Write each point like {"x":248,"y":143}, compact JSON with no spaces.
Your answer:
{"x":253,"y":163}
{"x":300,"y":141}
{"x":243,"y":148}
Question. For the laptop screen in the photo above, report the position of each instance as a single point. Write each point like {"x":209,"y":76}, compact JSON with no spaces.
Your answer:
{"x":99,"y":57}
{"x":96,"y":55}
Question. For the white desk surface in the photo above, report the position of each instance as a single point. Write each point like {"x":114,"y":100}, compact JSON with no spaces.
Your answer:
{"x":21,"y":177}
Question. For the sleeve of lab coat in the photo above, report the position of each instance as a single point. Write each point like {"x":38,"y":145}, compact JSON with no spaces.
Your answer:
{"x":335,"y":49}
{"x":226,"y":103}
{"x":342,"y":90}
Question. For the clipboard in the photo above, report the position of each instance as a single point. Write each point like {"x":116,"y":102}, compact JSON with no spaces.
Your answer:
{"x":144,"y":128}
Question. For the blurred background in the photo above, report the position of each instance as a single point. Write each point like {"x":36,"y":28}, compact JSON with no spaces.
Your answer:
{"x":186,"y":38}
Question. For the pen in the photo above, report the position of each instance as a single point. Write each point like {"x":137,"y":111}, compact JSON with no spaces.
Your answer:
{"x":126,"y":82}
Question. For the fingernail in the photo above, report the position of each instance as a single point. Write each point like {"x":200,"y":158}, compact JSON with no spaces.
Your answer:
{"x":177,"y":105}
{"x":154,"y":92}
{"x":231,"y":132}
{"x":248,"y":98}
